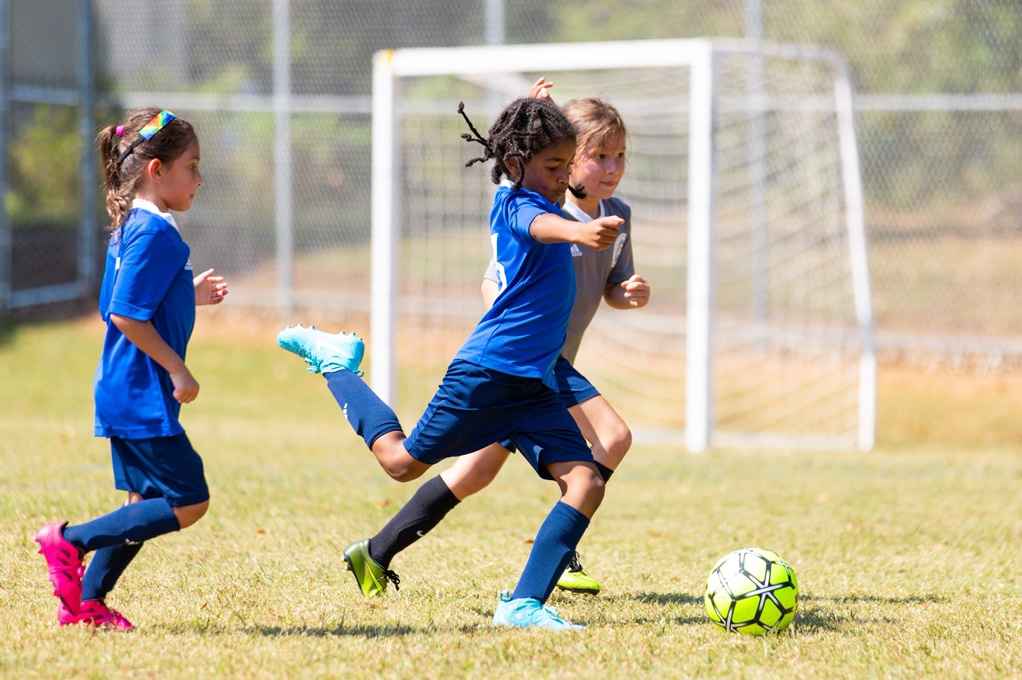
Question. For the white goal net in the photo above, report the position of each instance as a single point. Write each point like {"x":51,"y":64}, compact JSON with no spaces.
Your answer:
{"x":742,"y":176}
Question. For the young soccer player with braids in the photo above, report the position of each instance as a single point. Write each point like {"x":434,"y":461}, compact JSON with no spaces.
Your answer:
{"x":500,"y":385}
{"x":600,"y":275}
{"x":147,"y":299}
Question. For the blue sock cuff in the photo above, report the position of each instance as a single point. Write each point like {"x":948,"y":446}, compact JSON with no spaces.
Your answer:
{"x":367,"y":414}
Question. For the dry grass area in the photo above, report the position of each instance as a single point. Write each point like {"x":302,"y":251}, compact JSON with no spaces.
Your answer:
{"x":907,"y":557}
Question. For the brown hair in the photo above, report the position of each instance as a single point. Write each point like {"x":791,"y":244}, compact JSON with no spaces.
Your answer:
{"x":596,"y":122}
{"x":122,"y":173}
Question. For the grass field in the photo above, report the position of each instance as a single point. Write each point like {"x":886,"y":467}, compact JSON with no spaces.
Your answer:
{"x":909,"y":558}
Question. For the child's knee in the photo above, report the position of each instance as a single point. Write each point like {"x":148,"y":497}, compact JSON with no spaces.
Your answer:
{"x":403,"y":468}
{"x":188,"y":515}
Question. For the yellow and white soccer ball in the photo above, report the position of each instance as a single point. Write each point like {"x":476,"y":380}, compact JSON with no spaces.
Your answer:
{"x":752,"y":591}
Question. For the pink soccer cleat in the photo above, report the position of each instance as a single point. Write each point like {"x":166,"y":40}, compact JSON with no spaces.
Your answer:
{"x":93,"y":613}
{"x":64,"y":564}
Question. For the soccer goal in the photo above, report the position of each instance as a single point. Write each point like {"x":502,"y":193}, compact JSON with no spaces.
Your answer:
{"x":743,"y":179}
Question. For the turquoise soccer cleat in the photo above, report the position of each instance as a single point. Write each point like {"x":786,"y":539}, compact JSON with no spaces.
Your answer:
{"x":526,"y":612}
{"x":323,"y":352}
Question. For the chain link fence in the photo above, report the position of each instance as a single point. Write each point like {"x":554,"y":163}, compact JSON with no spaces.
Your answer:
{"x":280,"y":93}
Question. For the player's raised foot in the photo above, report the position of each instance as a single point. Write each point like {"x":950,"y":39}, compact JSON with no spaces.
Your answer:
{"x":575,"y":580}
{"x":63,"y":564}
{"x":526,"y":612}
{"x":370,"y":576}
{"x":93,"y":613}
{"x":323,"y":352}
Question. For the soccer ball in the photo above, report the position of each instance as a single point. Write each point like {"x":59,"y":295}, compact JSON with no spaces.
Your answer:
{"x":752,"y":591}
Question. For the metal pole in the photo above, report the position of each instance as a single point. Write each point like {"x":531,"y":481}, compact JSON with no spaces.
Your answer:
{"x":88,"y":227}
{"x":757,"y":170}
{"x":5,"y":111}
{"x":851,"y":176}
{"x":386,"y":227}
{"x":282,"y":153}
{"x":701,"y":275}
{"x":495,"y":35}
{"x":494,"y":19}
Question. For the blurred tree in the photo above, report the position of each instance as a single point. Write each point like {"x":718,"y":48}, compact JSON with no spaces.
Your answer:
{"x":44,"y":156}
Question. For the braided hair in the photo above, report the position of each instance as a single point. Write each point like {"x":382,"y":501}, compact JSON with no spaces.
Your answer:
{"x":524,"y":128}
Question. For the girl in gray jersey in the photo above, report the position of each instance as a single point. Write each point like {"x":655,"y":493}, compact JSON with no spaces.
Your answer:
{"x":607,"y":275}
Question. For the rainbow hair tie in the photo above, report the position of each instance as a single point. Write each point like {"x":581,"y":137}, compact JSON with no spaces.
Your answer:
{"x":157,"y":123}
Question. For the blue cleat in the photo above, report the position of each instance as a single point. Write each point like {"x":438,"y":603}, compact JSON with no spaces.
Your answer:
{"x":323,"y":352}
{"x":526,"y":612}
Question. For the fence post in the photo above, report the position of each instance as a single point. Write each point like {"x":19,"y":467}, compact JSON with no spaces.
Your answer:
{"x":5,"y":111}
{"x":282,"y":153}
{"x":88,"y":227}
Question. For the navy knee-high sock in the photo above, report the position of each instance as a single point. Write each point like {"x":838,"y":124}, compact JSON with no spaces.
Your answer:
{"x":555,"y":544}
{"x":105,"y":568}
{"x":365,"y":411}
{"x":131,"y":523}
{"x":422,"y":512}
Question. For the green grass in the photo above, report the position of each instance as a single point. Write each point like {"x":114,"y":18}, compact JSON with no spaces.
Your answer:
{"x":909,"y":558}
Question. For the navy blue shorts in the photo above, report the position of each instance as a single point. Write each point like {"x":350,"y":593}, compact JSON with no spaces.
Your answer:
{"x":476,"y":406}
{"x":161,"y":467}
{"x":572,"y":387}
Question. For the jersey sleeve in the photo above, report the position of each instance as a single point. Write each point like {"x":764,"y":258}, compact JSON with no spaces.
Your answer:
{"x":520,"y":208}
{"x":147,"y":264}
{"x":491,"y":270}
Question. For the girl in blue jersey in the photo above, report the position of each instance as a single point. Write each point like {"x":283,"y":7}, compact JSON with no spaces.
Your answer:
{"x":600,"y":276}
{"x":500,"y":385}
{"x":147,"y":299}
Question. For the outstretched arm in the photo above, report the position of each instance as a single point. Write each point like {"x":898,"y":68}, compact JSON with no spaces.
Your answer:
{"x":599,"y":233}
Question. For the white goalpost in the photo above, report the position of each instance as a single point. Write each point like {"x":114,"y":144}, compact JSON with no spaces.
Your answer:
{"x":747,"y":219}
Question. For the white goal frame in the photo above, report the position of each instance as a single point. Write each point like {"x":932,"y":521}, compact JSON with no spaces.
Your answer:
{"x":701,"y":56}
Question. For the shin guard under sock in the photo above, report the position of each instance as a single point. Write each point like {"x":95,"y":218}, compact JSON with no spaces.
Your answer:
{"x":420,"y":514}
{"x":131,"y":523}
{"x":555,"y":544}
{"x":105,"y":568}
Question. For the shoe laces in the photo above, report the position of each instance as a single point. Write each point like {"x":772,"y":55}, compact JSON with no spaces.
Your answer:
{"x":393,"y":578}
{"x":574,"y":566}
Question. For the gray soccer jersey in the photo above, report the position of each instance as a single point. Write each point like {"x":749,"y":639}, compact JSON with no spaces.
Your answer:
{"x":594,"y":270}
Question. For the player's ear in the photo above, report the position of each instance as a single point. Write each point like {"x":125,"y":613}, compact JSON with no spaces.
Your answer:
{"x":154,"y":170}
{"x":514,"y":169}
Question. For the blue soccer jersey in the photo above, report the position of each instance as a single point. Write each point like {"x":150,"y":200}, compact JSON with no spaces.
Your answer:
{"x":148,"y":277}
{"x":522,"y":333}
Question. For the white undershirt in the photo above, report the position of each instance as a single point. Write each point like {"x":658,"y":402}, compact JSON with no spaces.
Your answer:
{"x":578,"y":214}
{"x":149,"y":206}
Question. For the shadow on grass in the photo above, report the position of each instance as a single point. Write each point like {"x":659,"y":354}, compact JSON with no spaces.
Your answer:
{"x":337,"y":631}
{"x":668,"y":598}
{"x":847,"y":599}
{"x":816,"y":613}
